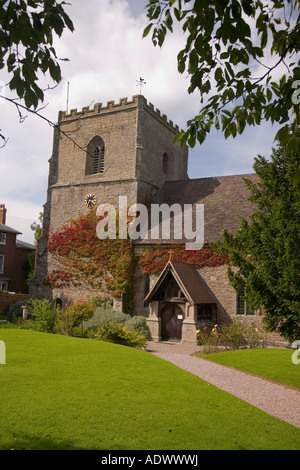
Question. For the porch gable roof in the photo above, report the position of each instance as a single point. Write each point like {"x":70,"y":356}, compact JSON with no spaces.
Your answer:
{"x":188,"y":279}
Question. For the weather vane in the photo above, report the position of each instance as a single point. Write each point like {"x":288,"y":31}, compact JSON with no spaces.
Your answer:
{"x":141,"y":83}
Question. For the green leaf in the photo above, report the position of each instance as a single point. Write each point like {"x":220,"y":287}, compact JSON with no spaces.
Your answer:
{"x":168,"y":20}
{"x":218,"y":74}
{"x":269,"y":94}
{"x":147,"y":30}
{"x":30,"y":99}
{"x":192,"y":141}
{"x":264,"y":38}
{"x":55,"y":72}
{"x":247,"y":6}
{"x":57,"y":23}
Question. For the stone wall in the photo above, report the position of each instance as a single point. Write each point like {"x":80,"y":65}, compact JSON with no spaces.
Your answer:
{"x":217,"y":280}
{"x":135,"y":136}
{"x":117,"y":128}
{"x":155,"y":139}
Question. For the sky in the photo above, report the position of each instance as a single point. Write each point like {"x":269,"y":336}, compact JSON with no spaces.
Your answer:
{"x":107,"y":56}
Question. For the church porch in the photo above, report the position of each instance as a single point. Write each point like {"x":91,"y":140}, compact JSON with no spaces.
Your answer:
{"x":179,"y":303}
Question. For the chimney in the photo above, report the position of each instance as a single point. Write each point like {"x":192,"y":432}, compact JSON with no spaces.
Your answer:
{"x":2,"y":214}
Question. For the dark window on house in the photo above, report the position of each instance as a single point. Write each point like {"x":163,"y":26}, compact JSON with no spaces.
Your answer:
{"x":242,"y":308}
{"x":1,"y":264}
{"x":3,"y":286}
{"x":204,"y":312}
{"x":95,"y":156}
{"x":2,"y":238}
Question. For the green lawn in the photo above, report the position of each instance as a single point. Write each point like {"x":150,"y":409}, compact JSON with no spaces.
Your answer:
{"x":68,"y":393}
{"x":274,"y":364}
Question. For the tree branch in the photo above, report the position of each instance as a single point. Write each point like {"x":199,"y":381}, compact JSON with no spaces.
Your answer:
{"x":36,"y":113}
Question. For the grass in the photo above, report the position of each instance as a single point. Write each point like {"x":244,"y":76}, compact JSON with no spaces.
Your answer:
{"x":273,"y":364}
{"x":68,"y":393}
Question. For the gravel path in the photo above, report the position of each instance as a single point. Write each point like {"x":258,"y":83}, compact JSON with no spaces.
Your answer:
{"x":275,"y":399}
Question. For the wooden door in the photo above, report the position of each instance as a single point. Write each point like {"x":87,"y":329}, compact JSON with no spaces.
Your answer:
{"x":171,"y":322}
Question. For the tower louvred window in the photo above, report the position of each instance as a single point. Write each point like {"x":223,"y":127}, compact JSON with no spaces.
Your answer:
{"x":95,"y":156}
{"x":99,"y":159}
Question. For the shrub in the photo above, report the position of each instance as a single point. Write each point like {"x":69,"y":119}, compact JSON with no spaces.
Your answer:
{"x":139,"y":324}
{"x":102,"y":302}
{"x":243,"y":334}
{"x":254,"y":334}
{"x":209,"y":339}
{"x":80,"y":332}
{"x":44,"y":315}
{"x":108,"y":314}
{"x":233,"y":335}
{"x":114,"y":332}
{"x":73,"y":316}
{"x":15,"y":311}
{"x":240,"y":334}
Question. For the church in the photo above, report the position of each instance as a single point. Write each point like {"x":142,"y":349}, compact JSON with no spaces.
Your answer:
{"x":127,"y":149}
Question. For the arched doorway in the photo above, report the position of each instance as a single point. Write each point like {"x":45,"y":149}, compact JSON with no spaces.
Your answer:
{"x":171,"y":322}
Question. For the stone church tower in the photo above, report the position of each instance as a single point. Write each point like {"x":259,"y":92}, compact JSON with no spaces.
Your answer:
{"x":123,"y":149}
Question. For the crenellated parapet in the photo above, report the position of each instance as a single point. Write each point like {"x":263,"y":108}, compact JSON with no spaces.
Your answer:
{"x":137,"y":101}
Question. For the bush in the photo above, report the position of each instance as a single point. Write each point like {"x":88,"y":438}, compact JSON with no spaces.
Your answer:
{"x":114,"y":332}
{"x":122,"y":328}
{"x":80,"y":332}
{"x":108,"y":314}
{"x":240,"y":334}
{"x":254,"y":334}
{"x":44,"y":315}
{"x":139,"y":324}
{"x":233,"y":335}
{"x":73,"y":316}
{"x":210,"y":339}
{"x":15,"y":311}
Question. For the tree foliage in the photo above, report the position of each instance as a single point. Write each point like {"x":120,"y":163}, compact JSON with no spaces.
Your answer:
{"x":232,"y":55}
{"x":37,"y":228}
{"x":264,"y":253}
{"x":27,"y":30}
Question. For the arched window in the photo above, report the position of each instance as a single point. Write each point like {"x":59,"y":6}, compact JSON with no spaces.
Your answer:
{"x":95,"y":156}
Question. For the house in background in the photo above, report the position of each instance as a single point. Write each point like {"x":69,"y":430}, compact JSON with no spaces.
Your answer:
{"x":13,"y":253}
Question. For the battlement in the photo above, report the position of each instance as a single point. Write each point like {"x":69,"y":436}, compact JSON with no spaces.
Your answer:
{"x":137,"y":101}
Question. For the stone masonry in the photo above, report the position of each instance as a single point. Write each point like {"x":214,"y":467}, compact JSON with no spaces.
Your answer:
{"x":139,"y":156}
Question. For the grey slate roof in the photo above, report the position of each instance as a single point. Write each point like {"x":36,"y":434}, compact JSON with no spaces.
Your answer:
{"x":24,"y":245}
{"x":7,"y":229}
{"x":225,"y":200}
